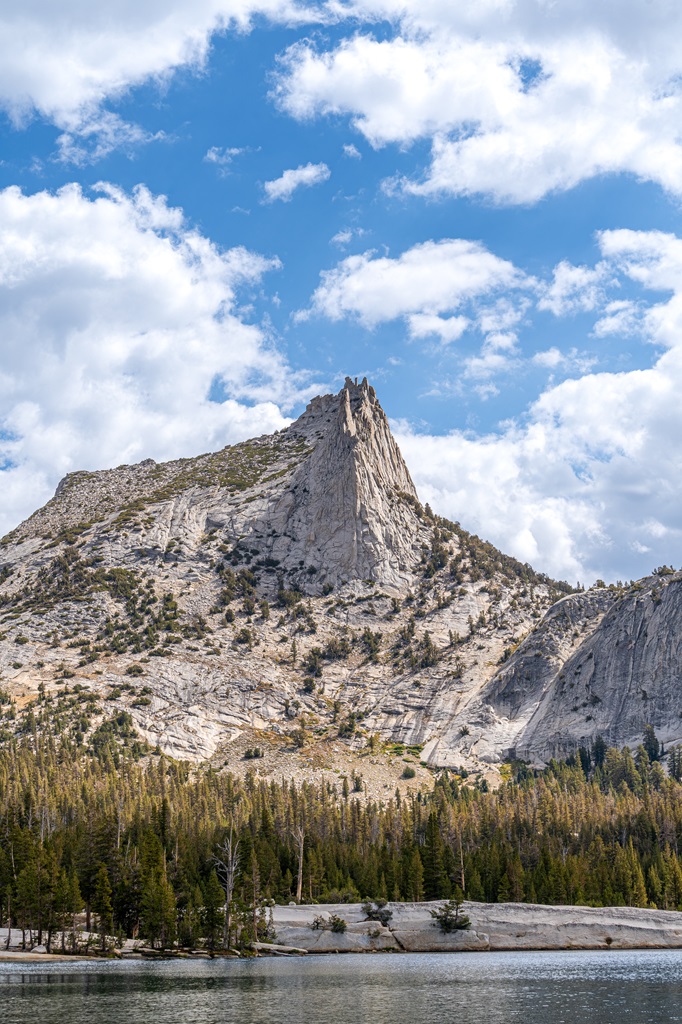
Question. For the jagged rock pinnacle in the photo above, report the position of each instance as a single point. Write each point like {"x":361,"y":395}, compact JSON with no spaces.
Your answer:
{"x":350,"y":510}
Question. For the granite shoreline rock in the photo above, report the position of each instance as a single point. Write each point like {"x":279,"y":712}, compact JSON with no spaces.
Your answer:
{"x":494,"y":927}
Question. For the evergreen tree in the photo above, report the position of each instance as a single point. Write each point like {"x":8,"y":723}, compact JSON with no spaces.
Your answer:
{"x":436,"y":882}
{"x":213,"y":915}
{"x":650,"y":743}
{"x":102,"y":905}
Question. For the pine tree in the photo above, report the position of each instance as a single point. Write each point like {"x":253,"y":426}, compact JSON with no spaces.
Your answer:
{"x":102,"y":905}
{"x":449,"y":917}
{"x":414,"y":882}
{"x":650,"y":743}
{"x":436,"y":882}
{"x":62,"y":906}
{"x":213,"y":916}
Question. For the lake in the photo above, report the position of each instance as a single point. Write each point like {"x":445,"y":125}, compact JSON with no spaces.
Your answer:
{"x":477,"y":988}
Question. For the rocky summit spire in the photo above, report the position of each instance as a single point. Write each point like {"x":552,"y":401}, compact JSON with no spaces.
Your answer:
{"x":350,"y":510}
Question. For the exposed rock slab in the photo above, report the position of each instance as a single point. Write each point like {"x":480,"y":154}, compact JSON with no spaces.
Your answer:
{"x":500,"y":926}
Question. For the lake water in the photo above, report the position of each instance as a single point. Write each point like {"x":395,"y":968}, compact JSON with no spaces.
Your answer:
{"x":477,"y":988}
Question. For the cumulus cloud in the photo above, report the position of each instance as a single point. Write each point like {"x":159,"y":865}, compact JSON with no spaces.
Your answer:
{"x":447,"y":328}
{"x":118,"y":321}
{"x":588,"y":481}
{"x":575,"y":489}
{"x":622,"y":318}
{"x":430,"y":279}
{"x":573,"y":289}
{"x":64,"y":61}
{"x":303,"y":176}
{"x":519,"y":98}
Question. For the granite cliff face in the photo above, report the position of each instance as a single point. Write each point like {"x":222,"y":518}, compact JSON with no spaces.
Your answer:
{"x":291,"y":591}
{"x":344,"y":512}
{"x":606,"y":663}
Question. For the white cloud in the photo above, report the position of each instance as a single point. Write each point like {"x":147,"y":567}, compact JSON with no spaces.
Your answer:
{"x":303,"y":176}
{"x":622,"y":318}
{"x":117,"y":319}
{"x":519,"y":98}
{"x":488,"y":364}
{"x":590,"y":479}
{"x":344,"y":237}
{"x":447,"y":328}
{"x":223,"y":157}
{"x":98,"y":133}
{"x":352,"y":151}
{"x":430,"y":279}
{"x":63,"y":61}
{"x":573,"y":289}
{"x":498,"y":355}
{"x":550,"y":359}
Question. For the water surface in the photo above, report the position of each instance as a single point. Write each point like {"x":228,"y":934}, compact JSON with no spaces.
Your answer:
{"x":477,"y":988}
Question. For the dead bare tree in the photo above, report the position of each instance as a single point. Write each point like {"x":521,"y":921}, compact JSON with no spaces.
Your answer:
{"x":226,"y":861}
{"x":298,"y":833}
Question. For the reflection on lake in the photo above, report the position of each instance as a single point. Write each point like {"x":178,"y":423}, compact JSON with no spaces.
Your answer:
{"x":478,"y":988}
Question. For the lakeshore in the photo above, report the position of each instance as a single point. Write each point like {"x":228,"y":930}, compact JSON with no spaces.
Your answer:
{"x":411,"y":928}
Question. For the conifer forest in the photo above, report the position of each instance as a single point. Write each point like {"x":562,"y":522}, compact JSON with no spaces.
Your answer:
{"x":124,"y":842}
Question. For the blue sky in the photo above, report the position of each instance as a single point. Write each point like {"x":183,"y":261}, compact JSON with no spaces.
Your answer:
{"x":211,"y":212}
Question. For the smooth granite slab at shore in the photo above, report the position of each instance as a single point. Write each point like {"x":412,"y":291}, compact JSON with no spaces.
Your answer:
{"x":494,"y":926}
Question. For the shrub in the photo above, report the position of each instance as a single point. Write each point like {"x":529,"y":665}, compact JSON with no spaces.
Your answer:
{"x":332,"y":923}
{"x":298,"y":737}
{"x":408,"y":772}
{"x":448,"y":916}
{"x":312,"y":663}
{"x":377,"y":910}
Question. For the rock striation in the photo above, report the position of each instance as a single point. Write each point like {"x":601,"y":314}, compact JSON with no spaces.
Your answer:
{"x":349,"y":509}
{"x":603,"y":663}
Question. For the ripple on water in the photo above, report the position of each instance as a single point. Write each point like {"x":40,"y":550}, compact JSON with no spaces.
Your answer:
{"x":479,"y":988}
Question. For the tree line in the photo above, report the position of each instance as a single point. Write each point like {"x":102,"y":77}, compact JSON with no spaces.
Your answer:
{"x":180,"y":854}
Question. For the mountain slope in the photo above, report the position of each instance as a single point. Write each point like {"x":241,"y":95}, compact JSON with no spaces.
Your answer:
{"x":289,"y":590}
